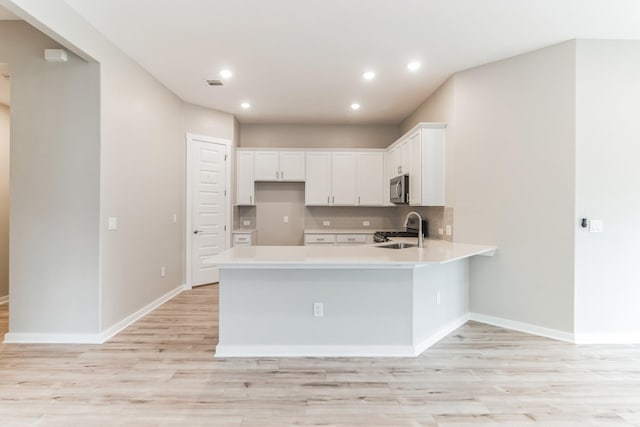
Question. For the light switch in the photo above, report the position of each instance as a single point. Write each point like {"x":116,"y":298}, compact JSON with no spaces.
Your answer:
{"x":246,"y":222}
{"x":595,"y":226}
{"x":440,"y":231}
{"x":366,"y":223}
{"x":285,"y":219}
{"x":175,"y":218}
{"x":326,"y":223}
{"x":113,"y":223}
{"x":448,"y":230}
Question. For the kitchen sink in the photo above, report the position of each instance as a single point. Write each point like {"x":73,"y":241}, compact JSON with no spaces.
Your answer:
{"x":398,"y":246}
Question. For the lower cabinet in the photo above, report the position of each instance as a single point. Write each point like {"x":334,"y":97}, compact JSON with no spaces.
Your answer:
{"x":337,"y":239}
{"x":244,"y":238}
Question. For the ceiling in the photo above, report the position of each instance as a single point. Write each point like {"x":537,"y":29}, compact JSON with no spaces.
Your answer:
{"x":302,"y":61}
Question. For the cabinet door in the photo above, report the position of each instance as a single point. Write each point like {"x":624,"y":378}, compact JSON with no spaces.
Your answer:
{"x":415,"y":170}
{"x":317,"y":190}
{"x":433,"y":167}
{"x":266,"y":166}
{"x":244,"y":178}
{"x":344,"y":178}
{"x":388,"y":174}
{"x":405,"y":158}
{"x":292,"y":166}
{"x":370,"y":179}
{"x":395,"y":159}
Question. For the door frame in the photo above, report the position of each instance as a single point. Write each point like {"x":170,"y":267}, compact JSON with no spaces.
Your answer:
{"x":190,"y":138}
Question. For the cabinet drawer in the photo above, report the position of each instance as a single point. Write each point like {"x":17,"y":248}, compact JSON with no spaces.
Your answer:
{"x":239,"y":239}
{"x":355,"y":239}
{"x":319,"y":238}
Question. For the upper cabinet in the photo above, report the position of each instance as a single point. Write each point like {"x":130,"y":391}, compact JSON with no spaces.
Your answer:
{"x":245,"y":178}
{"x":426,"y":169}
{"x":279,"y":165}
{"x":345,"y":178}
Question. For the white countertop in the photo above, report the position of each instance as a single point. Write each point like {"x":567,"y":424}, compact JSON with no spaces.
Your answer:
{"x":338,"y":231}
{"x":369,"y":256}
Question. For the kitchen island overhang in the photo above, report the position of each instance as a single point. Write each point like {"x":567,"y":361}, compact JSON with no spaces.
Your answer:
{"x":374,"y":302}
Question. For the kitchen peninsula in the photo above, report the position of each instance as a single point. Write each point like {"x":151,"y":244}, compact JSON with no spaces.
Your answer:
{"x":341,"y":301}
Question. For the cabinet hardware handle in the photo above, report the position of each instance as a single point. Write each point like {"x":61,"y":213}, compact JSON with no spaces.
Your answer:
{"x":250,"y":200}
{"x":333,"y":199}
{"x":358,"y":199}
{"x":281,"y":174}
{"x":320,"y":240}
{"x":328,"y":200}
{"x":351,"y":239}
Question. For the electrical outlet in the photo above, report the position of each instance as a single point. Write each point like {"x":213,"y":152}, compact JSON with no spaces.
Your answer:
{"x":318,"y":309}
{"x":326,"y":223}
{"x":246,"y":222}
{"x":163,"y":271}
{"x":285,"y":219}
{"x":174,"y":218}
{"x":448,"y":228}
{"x":438,"y":298}
{"x":366,"y":223}
{"x":440,"y":231}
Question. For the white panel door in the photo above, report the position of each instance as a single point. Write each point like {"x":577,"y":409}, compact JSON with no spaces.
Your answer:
{"x":317,"y":190}
{"x":343,"y":188}
{"x":208,"y":210}
{"x":370,"y":179}
{"x":266,"y":166}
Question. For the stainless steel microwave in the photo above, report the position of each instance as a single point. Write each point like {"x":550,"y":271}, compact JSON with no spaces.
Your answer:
{"x":399,"y":190}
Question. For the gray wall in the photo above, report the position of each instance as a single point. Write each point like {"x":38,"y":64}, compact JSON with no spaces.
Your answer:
{"x":511,"y":138}
{"x":607,"y":153}
{"x":4,"y":200}
{"x":55,"y":167}
{"x":318,"y":136}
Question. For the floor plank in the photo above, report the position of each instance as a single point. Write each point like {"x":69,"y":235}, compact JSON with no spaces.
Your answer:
{"x":161,"y":372}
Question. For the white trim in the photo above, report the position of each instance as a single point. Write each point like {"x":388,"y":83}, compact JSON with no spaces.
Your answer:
{"x":99,"y":338}
{"x":314,"y":351}
{"x":127,"y":321}
{"x":4,"y":299}
{"x":523,"y":327}
{"x":607,"y":338}
{"x":36,"y":338}
{"x":338,"y":350}
{"x":440,"y":334}
{"x":189,"y":138}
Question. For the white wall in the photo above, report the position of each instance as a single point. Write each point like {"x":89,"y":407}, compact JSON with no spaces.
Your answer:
{"x":608,"y":176}
{"x":142,"y":167}
{"x":511,"y":141}
{"x":4,"y":200}
{"x":318,"y":136}
{"x":203,"y":121}
{"x":55,"y":167}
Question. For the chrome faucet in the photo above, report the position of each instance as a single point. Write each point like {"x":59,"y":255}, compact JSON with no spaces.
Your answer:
{"x":420,"y":235}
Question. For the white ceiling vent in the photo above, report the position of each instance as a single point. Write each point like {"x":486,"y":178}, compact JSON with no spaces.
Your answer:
{"x":214,"y":82}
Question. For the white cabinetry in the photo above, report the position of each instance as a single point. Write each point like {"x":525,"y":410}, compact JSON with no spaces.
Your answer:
{"x":400,"y":159}
{"x":317,"y":190}
{"x":338,"y":239}
{"x":370,"y":179}
{"x":427,"y":172}
{"x":244,"y":237}
{"x":279,"y":166}
{"x":244,"y":178}
{"x":345,"y":178}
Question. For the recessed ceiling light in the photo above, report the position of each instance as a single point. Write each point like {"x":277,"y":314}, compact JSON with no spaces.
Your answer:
{"x":368,"y":75}
{"x":225,"y":74}
{"x":355,"y":106}
{"x":245,"y":105}
{"x":413,"y":66}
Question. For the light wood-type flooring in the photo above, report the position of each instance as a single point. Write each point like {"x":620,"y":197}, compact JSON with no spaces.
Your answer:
{"x":161,"y":371}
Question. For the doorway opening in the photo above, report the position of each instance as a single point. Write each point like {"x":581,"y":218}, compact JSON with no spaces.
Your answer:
{"x":5,"y":80}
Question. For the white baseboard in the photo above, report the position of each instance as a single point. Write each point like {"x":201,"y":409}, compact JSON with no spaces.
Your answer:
{"x":4,"y":299}
{"x":99,"y":338}
{"x":523,"y":327}
{"x":607,"y":338}
{"x":443,"y":332}
{"x":314,"y":351}
{"x":37,"y":338}
{"x":223,"y":350}
{"x":115,"y":329}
